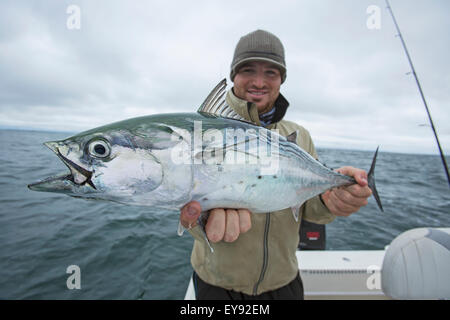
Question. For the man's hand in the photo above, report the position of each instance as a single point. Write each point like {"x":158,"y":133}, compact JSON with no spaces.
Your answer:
{"x":344,"y":201}
{"x":222,"y":224}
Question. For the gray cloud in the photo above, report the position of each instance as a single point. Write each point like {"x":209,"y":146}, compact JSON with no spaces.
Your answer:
{"x":346,"y":83}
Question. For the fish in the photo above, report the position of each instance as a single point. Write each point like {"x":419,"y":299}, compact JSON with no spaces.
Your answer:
{"x":213,"y":156}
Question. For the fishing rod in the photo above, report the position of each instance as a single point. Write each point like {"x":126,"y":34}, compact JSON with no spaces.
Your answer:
{"x":444,"y":162}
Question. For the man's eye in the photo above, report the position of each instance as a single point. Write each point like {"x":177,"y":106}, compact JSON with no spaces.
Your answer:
{"x":271,"y":72}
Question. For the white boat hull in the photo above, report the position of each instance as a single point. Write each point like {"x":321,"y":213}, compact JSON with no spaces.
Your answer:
{"x":336,"y":275}
{"x":341,"y":274}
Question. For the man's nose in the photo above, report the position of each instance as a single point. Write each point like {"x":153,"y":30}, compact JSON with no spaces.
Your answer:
{"x":258,"y":80}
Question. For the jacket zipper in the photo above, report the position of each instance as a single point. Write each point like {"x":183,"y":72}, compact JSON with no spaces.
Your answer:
{"x":266,"y":254}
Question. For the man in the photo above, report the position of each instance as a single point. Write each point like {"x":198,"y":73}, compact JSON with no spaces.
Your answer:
{"x":254,"y":255}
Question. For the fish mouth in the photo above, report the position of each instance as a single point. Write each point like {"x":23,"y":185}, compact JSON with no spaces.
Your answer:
{"x":78,"y":175}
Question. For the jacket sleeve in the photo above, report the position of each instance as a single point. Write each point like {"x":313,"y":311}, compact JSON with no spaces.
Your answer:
{"x":314,"y":210}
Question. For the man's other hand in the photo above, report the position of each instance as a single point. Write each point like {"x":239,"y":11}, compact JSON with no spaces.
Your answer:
{"x":344,"y":201}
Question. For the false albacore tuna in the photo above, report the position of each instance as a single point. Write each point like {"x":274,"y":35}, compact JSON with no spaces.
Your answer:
{"x":213,"y":156}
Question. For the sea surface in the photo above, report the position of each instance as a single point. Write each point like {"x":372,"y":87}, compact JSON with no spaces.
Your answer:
{"x":127,"y":252}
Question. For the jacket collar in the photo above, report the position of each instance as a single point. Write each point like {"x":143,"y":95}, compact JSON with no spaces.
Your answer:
{"x":249,"y":111}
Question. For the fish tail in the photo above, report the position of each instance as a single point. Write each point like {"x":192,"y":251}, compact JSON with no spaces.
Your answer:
{"x":371,"y":181}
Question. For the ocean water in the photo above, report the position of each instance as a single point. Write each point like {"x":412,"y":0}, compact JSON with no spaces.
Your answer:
{"x":127,"y":252}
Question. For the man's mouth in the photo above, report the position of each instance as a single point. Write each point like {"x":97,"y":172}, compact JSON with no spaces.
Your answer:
{"x":257,"y":93}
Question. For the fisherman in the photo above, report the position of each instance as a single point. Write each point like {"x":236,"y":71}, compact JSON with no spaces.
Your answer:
{"x":254,"y":255}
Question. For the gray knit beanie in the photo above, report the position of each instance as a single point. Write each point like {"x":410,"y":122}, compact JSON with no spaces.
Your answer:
{"x":259,"y":45}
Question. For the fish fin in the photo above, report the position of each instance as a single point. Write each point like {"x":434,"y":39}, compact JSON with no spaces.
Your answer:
{"x":216,"y":106}
{"x":181,"y":229}
{"x":202,"y":223}
{"x":371,"y":180}
{"x":293,"y":137}
{"x":295,"y":211}
{"x":207,"y":242}
{"x":213,"y":96}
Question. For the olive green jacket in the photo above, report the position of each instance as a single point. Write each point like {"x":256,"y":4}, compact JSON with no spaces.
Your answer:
{"x":263,"y":258}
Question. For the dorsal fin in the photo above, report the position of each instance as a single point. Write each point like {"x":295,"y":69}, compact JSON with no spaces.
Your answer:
{"x":215,"y":104}
{"x":293,"y":137}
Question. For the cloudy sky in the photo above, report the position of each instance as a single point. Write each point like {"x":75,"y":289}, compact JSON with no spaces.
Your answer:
{"x":346,"y":82}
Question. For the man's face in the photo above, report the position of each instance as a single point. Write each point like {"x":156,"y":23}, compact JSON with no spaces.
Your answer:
{"x":258,"y":82}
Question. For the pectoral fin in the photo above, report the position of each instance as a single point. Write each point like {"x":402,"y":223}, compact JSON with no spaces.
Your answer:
{"x":295,"y":211}
{"x":201,"y":222}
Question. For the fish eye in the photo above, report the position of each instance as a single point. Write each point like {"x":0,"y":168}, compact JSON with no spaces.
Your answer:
{"x":99,"y":149}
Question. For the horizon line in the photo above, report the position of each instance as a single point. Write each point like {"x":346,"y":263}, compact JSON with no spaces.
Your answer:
{"x":318,"y":146}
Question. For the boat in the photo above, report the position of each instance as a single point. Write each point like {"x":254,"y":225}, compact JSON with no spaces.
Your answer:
{"x":413,"y":266}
